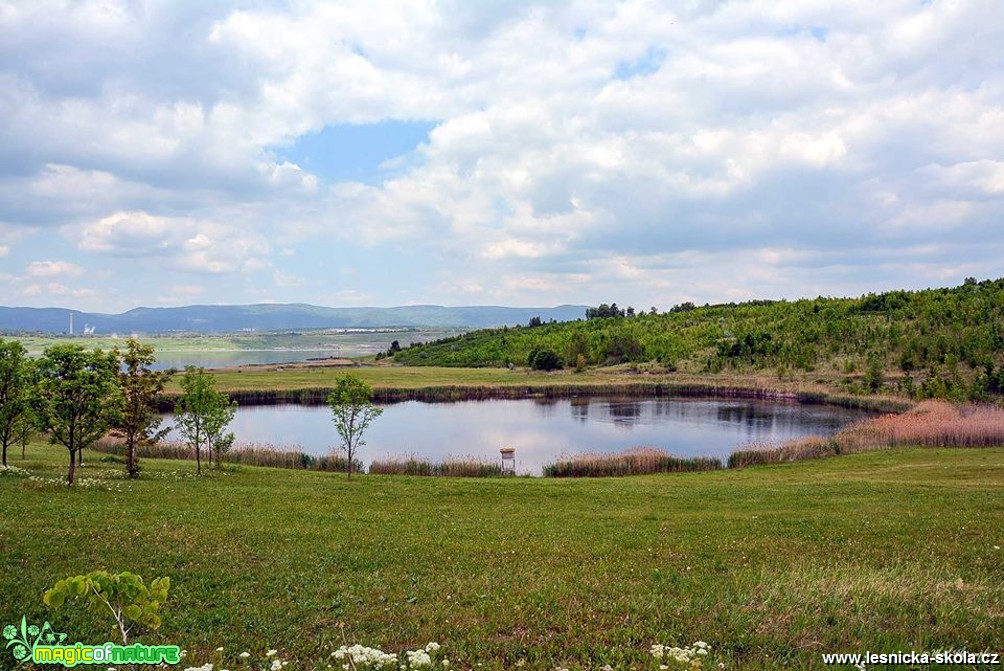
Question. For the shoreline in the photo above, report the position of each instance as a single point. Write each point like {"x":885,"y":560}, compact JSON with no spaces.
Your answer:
{"x":316,"y":396}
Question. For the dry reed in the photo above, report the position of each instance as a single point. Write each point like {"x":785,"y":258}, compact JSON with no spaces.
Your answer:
{"x":929,"y":424}
{"x":248,"y":454}
{"x":459,"y":467}
{"x":635,"y":461}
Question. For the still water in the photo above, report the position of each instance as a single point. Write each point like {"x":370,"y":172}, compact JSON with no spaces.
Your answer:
{"x":544,"y":430}
{"x":245,"y":357}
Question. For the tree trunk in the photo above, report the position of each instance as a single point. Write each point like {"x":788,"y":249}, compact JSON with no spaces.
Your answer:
{"x":198,"y":461}
{"x":73,"y":469}
{"x":80,"y":457}
{"x":131,"y":467}
{"x":5,"y":455}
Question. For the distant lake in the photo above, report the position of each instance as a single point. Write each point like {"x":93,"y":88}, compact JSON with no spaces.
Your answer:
{"x":228,"y":358}
{"x":544,"y":430}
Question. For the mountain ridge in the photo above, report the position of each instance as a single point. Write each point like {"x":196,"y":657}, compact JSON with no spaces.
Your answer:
{"x":273,"y":317}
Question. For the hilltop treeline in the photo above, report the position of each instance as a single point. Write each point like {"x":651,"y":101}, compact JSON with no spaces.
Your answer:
{"x":935,"y":343}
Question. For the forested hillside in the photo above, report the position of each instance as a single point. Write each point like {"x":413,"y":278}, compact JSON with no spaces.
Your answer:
{"x":946,"y":343}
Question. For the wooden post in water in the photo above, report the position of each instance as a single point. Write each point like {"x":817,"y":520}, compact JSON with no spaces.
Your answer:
{"x":508,"y":460}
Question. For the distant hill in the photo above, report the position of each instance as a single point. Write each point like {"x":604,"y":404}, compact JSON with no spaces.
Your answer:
{"x":934,"y":343}
{"x":274,"y":317}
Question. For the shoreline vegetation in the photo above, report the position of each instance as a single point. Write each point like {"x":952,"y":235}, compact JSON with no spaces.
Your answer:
{"x":930,"y":423}
{"x":310,"y":385}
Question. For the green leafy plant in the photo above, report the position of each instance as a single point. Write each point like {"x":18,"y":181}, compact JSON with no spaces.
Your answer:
{"x":15,"y":369}
{"x":140,"y":422}
{"x":77,"y":397}
{"x":202,"y":415}
{"x":124,"y":595}
{"x":352,"y":411}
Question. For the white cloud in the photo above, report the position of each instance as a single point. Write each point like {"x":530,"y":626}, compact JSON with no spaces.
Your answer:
{"x":283,"y":280}
{"x":53,"y":269}
{"x":174,"y":242}
{"x":4,"y":250}
{"x":572,"y":139}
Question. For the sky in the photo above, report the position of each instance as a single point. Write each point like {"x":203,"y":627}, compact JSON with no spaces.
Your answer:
{"x":497,"y":152}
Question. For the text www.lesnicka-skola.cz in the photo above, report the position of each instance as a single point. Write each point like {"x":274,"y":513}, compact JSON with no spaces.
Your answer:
{"x":860,"y":659}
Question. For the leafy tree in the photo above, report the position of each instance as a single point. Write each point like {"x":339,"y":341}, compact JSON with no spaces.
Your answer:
{"x":124,"y":595}
{"x":534,"y":322}
{"x":874,"y":377}
{"x":24,"y":428}
{"x":202,"y":414}
{"x":352,"y":408}
{"x":14,"y":385}
{"x":77,"y":397}
{"x":140,"y":386}
{"x":604,"y":311}
{"x":544,"y":359}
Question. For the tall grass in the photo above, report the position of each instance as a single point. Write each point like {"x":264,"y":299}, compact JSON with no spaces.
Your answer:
{"x":793,"y":450}
{"x":635,"y":461}
{"x":929,"y":424}
{"x":248,"y":454}
{"x":462,"y":467}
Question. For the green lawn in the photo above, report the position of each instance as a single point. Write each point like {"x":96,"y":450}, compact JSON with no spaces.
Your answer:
{"x":881,"y":551}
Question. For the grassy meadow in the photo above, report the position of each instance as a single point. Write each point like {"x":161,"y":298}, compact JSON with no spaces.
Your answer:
{"x":771,"y":565}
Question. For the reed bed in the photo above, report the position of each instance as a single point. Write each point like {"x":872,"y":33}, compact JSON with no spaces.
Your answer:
{"x":248,"y":454}
{"x":754,"y":454}
{"x":930,"y":424}
{"x":458,"y":467}
{"x":636,"y":461}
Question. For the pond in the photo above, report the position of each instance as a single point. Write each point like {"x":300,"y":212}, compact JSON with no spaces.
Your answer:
{"x":542,"y":430}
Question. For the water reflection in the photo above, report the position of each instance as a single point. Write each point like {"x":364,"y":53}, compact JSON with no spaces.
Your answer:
{"x":541,"y":430}
{"x":624,"y":413}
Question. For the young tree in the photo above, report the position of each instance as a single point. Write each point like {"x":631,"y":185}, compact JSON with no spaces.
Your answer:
{"x":25,"y":428}
{"x":14,"y":385}
{"x":77,"y":397}
{"x":352,"y":409}
{"x":140,"y":387}
{"x":202,"y":414}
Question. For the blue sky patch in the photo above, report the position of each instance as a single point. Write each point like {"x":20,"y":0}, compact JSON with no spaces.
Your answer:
{"x":646,"y":65}
{"x":354,"y":152}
